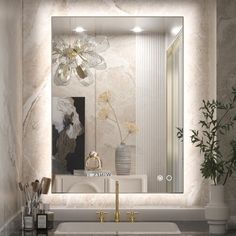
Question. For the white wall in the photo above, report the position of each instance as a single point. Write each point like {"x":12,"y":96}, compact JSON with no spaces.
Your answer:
{"x":198,"y":76}
{"x":11,"y":107}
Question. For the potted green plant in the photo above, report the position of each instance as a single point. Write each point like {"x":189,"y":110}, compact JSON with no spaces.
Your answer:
{"x":217,"y":120}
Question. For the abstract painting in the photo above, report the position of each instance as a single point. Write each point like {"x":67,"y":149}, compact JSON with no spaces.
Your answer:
{"x":68,"y":134}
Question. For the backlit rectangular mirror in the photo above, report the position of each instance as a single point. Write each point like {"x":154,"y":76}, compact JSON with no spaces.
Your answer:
{"x":117,"y":100}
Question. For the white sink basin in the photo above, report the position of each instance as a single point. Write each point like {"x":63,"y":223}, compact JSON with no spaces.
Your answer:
{"x":115,"y":228}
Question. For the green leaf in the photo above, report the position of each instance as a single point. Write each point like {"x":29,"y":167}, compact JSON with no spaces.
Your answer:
{"x":214,"y":166}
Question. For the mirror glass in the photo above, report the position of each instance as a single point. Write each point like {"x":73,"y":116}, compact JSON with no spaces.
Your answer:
{"x":117,"y":100}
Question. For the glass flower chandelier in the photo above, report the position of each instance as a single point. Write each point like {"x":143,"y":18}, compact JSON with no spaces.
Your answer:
{"x":77,"y":59}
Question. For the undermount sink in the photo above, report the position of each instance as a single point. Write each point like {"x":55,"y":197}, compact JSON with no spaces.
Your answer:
{"x":67,"y":228}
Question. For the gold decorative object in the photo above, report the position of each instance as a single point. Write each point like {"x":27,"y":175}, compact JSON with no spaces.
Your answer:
{"x":132,"y":216}
{"x":101,"y":216}
{"x":117,"y":210}
{"x":93,"y":161}
{"x":78,"y":58}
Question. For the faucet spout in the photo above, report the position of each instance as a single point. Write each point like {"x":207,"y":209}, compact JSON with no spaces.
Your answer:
{"x":117,"y":211}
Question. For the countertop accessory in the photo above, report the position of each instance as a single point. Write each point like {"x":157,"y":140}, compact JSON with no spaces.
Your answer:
{"x":123,"y":159}
{"x":28,"y":222}
{"x":50,"y":222}
{"x":93,"y":161}
{"x":41,"y":222}
{"x":32,"y":194}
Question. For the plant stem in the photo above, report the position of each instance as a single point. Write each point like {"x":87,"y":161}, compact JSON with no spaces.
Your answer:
{"x":227,"y":175}
{"x":212,"y":140}
{"x":123,"y":140}
{"x":214,"y":181}
{"x":116,"y":119}
{"x":111,"y":119}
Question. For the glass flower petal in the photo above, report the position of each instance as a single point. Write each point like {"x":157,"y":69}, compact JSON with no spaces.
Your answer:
{"x":91,"y":58}
{"x":58,"y":45}
{"x":102,"y":43}
{"x":88,"y":80}
{"x":62,"y":75}
{"x":84,"y":75}
{"x":102,"y":65}
{"x":81,"y":71}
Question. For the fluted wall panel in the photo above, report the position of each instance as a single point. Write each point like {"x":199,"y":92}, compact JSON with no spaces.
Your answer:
{"x":150,"y":108}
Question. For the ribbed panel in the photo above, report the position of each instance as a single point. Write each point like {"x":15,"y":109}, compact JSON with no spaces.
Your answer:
{"x":175,"y":117}
{"x":150,"y":109}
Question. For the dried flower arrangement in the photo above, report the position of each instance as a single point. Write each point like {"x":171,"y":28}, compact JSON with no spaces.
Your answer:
{"x":107,"y":112}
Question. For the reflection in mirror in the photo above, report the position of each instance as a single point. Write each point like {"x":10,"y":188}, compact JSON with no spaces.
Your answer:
{"x":117,"y":98}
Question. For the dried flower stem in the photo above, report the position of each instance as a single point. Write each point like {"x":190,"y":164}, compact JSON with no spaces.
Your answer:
{"x":111,"y":119}
{"x":116,"y":120}
{"x":123,"y":140}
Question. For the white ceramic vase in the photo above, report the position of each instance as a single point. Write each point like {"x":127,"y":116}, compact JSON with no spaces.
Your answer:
{"x":123,"y":159}
{"x":216,"y":211}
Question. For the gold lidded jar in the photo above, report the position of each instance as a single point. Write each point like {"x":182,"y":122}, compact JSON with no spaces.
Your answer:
{"x":93,"y":162}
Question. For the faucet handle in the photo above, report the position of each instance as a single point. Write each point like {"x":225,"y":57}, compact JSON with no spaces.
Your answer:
{"x":101,"y":215}
{"x":132,"y":216}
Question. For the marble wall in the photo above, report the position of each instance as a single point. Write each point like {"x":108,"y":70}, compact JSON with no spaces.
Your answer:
{"x":199,"y":83}
{"x":11,"y":108}
{"x":226,"y":73}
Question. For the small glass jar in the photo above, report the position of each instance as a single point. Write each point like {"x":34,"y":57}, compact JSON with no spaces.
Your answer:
{"x":28,"y":222}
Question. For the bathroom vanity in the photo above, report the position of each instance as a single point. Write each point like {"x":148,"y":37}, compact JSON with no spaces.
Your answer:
{"x":186,"y":228}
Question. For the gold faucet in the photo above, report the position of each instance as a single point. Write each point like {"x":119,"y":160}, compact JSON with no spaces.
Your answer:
{"x":132,"y":216}
{"x":117,"y":212}
{"x":101,"y":216}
